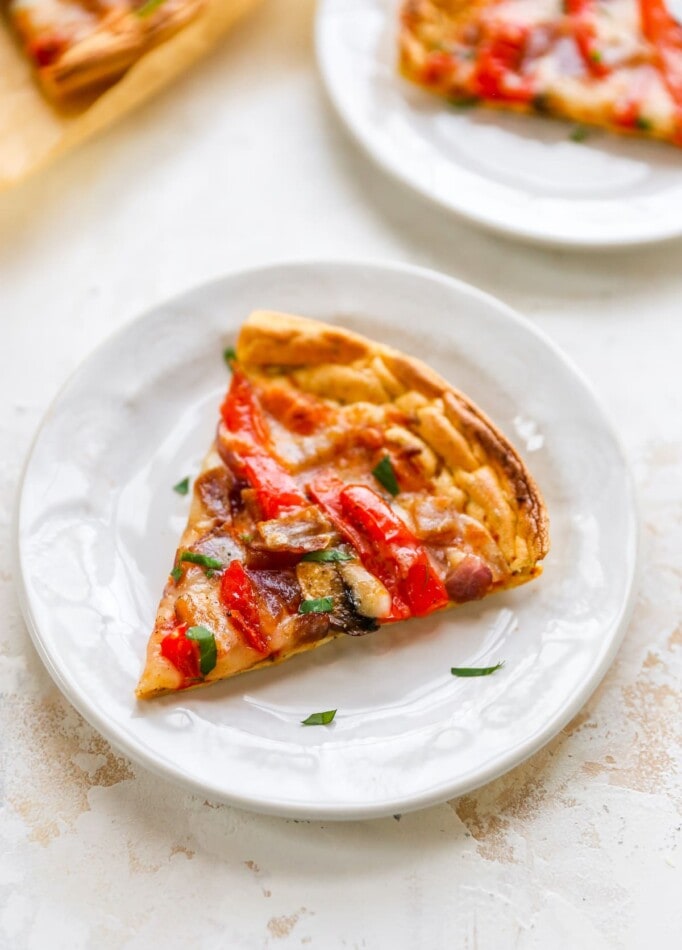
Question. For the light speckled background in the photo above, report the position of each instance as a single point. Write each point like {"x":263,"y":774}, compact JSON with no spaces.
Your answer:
{"x":240,"y":163}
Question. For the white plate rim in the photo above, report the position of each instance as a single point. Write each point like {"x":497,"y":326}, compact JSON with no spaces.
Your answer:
{"x":286,"y":808}
{"x":489,"y":222}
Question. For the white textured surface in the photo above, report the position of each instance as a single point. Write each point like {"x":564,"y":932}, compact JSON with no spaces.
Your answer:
{"x":241,"y":163}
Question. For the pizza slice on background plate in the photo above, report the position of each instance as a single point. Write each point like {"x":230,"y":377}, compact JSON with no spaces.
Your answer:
{"x":611,"y":63}
{"x":81,"y":46}
{"x":349,"y":486}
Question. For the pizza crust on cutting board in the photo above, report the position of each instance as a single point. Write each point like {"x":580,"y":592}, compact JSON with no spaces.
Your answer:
{"x":33,"y":132}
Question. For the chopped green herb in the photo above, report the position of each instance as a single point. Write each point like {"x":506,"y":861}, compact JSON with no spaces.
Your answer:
{"x":176,"y":573}
{"x":476,"y":670}
{"x":466,"y":102}
{"x":208,"y":654}
{"x":385,"y":475}
{"x":247,"y":538}
{"x":331,"y":554}
{"x":319,"y":719}
{"x":229,"y":355}
{"x":212,"y":563}
{"x":148,"y":7}
{"x":579,"y":133}
{"x":596,"y":56}
{"x":182,"y":487}
{"x":643,"y":124}
{"x":322,"y":605}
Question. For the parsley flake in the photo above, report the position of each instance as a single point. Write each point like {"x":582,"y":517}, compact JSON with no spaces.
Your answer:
{"x":476,"y":670}
{"x":208,"y":653}
{"x":330,"y":554}
{"x":182,"y":487}
{"x":319,"y":718}
{"x":321,"y":605}
{"x":466,"y":102}
{"x":385,"y":475}
{"x":148,"y":7}
{"x":579,"y":133}
{"x":203,"y":560}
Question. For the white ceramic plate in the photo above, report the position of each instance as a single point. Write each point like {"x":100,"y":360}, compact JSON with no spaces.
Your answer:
{"x":98,"y":523}
{"x":517,"y":174}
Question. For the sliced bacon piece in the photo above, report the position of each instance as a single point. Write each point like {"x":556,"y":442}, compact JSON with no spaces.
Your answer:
{"x":471,"y":579}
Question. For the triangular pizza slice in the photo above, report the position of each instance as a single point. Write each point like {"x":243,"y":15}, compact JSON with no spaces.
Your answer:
{"x":348,"y":487}
{"x":81,"y":46}
{"x":612,"y":63}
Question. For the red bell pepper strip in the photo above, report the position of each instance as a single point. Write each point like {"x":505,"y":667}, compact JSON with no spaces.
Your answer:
{"x":243,"y":417}
{"x":239,"y":597}
{"x":45,"y":50}
{"x":663,"y":30}
{"x":385,"y":545}
{"x":581,"y":13}
{"x":183,"y":653}
{"x":498,"y":63}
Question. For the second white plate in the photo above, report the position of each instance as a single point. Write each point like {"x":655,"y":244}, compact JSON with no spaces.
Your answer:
{"x":98,"y":524}
{"x":521,"y":175}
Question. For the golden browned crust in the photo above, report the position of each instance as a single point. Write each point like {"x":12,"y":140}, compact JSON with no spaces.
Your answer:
{"x":484,"y":464}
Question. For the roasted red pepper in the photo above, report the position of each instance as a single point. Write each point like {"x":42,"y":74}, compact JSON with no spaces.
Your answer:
{"x":184,"y":654}
{"x":385,"y":545}
{"x":46,"y":50}
{"x":663,"y":30}
{"x":239,"y":596}
{"x":499,"y":60}
{"x":581,"y":13}
{"x":243,"y":417}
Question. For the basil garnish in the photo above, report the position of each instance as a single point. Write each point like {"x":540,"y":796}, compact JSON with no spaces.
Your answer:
{"x":385,"y":475}
{"x":322,"y":605}
{"x":579,"y":133}
{"x":466,"y":102}
{"x":212,"y":563}
{"x":208,"y":654}
{"x":182,"y":487}
{"x":475,"y":670}
{"x":148,"y":7}
{"x":319,"y":718}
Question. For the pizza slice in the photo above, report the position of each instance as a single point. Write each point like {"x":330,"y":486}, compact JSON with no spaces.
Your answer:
{"x":348,"y":487}
{"x":612,"y":63}
{"x":79,"y":47}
